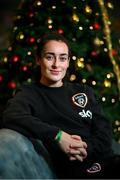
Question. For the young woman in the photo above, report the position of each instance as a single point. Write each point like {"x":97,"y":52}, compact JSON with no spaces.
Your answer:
{"x":65,"y":116}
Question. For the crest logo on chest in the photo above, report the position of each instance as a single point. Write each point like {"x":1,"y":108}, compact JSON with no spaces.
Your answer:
{"x":80,"y":99}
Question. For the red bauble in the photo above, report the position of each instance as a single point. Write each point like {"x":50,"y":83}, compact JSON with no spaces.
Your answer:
{"x":60,"y":31}
{"x":114,"y":52}
{"x":12,"y":85}
{"x":31,"y":40}
{"x":24,"y":68}
{"x":1,"y":78}
{"x":94,"y":54}
{"x":96,"y":26}
{"x":30,"y":14}
{"x":15,"y":58}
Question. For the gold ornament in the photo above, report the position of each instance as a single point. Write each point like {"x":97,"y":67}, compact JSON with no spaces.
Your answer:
{"x":107,"y":83}
{"x":29,"y":80}
{"x":117,"y":123}
{"x":37,"y":3}
{"x":112,"y":100}
{"x":50,"y":21}
{"x":84,"y":80}
{"x":75,"y":18}
{"x":80,"y":63}
{"x":50,"y":27}
{"x":18,"y":17}
{"x":110,"y":5}
{"x":80,"y":28}
{"x":88,"y":10}
{"x":103,"y":99}
{"x":72,"y":77}
{"x":5,"y":59}
{"x":97,"y":41}
{"x":93,"y":83}
{"x":20,"y":36}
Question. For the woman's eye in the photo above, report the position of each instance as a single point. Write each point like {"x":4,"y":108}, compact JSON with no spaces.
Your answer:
{"x":49,"y":58}
{"x":63,"y":59}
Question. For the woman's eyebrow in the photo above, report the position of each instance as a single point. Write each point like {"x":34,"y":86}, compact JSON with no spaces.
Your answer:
{"x":52,"y":53}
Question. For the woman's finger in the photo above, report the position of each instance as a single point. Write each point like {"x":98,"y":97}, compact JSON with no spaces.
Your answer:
{"x":79,"y":158}
{"x":76,"y":137}
{"x":72,"y":158}
{"x":83,"y":152}
{"x":74,"y":151}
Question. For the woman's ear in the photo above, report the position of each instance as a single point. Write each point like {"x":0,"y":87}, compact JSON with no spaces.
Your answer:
{"x":68,"y":62}
{"x":38,"y":61}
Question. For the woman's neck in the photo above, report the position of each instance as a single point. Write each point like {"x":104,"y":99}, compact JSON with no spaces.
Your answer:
{"x":51,"y":84}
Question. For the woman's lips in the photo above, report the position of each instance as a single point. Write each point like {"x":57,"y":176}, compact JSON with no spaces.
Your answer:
{"x":54,"y":72}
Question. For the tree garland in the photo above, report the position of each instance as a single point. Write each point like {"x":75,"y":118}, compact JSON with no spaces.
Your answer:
{"x":107,"y":32}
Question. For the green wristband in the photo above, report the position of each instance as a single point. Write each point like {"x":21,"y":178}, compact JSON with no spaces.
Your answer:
{"x":59,"y":135}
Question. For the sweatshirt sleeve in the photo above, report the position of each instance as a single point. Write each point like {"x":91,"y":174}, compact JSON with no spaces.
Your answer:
{"x":19,"y":116}
{"x":100,"y":140}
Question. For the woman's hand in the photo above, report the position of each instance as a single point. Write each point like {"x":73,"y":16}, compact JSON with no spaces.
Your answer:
{"x":73,"y":146}
{"x":82,"y":153}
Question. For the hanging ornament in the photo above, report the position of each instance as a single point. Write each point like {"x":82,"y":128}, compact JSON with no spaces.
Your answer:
{"x":5,"y":59}
{"x":96,"y":26}
{"x":15,"y":58}
{"x":113,"y":100}
{"x":18,"y":17}
{"x":31,"y":40}
{"x":81,"y":28}
{"x":97,"y":41}
{"x":53,"y":7}
{"x":50,"y":21}
{"x":107,"y":83}
{"x":110,"y":5}
{"x":94,"y":54}
{"x":20,"y":36}
{"x":37,"y":3}
{"x":110,"y":75}
{"x":50,"y":26}
{"x":1,"y":78}
{"x":107,"y":32}
{"x":84,"y":80}
{"x":30,"y":14}
{"x":10,"y":48}
{"x":93,"y":83}
{"x":60,"y":31}
{"x":80,"y":63}
{"x":75,"y":18}
{"x":88,"y":10}
{"x":29,"y":80}
{"x":24,"y":68}
{"x":72,"y":77}
{"x":114,"y":52}
{"x":12,"y":85}
{"x":103,"y":99}
{"x":29,"y":53}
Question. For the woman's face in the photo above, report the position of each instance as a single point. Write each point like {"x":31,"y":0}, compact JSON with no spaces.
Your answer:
{"x":54,"y":62}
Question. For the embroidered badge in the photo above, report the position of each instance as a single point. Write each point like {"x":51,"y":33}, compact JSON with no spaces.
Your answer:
{"x":96,"y":167}
{"x":80,"y":99}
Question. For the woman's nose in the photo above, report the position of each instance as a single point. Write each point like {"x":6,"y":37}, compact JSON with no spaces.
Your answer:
{"x":55,"y":62}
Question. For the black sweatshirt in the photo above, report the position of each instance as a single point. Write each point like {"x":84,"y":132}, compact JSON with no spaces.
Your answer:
{"x":39,"y":111}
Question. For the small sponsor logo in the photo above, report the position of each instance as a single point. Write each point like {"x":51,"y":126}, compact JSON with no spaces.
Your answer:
{"x":85,"y":114}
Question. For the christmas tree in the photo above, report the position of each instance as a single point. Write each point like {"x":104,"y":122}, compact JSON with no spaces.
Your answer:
{"x":95,"y":57}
